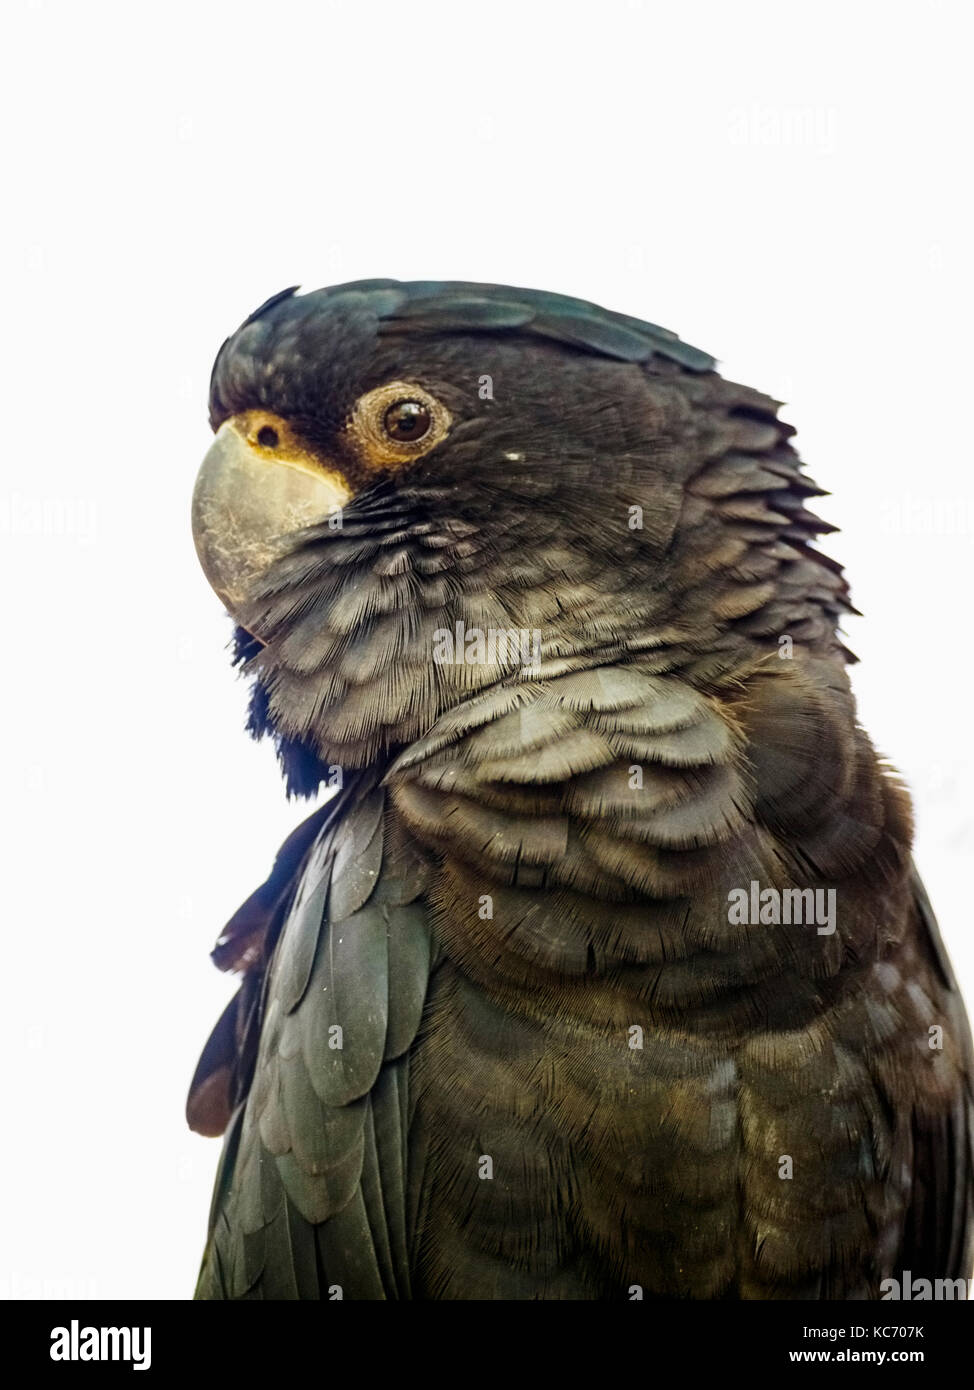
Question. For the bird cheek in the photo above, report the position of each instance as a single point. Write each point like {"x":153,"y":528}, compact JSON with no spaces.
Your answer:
{"x":249,"y":501}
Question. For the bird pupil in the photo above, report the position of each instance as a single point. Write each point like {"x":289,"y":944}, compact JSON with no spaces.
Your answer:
{"x":407,"y":420}
{"x":267,"y":437}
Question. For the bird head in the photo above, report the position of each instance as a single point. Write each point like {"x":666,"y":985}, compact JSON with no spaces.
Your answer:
{"x":399,"y":467}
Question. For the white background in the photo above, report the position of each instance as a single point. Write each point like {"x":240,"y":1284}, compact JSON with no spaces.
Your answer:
{"x":786,"y":186}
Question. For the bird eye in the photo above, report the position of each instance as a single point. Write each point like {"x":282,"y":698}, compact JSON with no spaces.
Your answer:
{"x":407,"y":420}
{"x":267,"y":437}
{"x":396,"y":423}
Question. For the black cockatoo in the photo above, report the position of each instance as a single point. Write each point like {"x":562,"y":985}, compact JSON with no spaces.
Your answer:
{"x":605,"y":973}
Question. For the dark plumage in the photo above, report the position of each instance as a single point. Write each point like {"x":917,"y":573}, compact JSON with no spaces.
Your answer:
{"x":495,"y":900}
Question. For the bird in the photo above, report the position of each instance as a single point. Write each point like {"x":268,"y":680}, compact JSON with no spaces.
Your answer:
{"x":601,"y":970}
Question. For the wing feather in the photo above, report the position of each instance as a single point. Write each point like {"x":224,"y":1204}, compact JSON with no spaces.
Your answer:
{"x":311,"y":1196}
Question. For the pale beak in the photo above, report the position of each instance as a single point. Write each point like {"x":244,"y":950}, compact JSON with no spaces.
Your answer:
{"x":247,"y":503}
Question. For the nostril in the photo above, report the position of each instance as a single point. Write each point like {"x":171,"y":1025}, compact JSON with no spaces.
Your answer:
{"x":267,"y":437}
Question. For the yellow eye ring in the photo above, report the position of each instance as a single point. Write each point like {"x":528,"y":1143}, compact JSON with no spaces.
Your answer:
{"x":395,"y":423}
